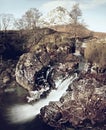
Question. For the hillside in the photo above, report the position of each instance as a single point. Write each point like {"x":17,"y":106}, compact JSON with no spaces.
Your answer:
{"x":82,"y":31}
{"x":99,"y":34}
{"x":14,"y":43}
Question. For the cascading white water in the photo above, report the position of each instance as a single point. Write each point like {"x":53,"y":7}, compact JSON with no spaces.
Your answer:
{"x":22,"y":113}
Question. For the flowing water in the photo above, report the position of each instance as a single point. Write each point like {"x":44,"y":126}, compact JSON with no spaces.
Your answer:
{"x":24,"y":113}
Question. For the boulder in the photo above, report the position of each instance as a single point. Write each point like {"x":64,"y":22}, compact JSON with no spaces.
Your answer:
{"x":28,"y":65}
{"x":85,"y":100}
{"x":31,"y":63}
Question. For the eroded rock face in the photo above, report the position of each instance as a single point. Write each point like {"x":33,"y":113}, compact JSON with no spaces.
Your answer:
{"x":85,"y":100}
{"x":26,"y":68}
{"x":31,"y":63}
{"x":38,"y":71}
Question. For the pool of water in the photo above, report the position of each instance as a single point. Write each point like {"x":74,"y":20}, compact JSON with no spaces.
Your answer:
{"x":17,"y":114}
{"x":8,"y":100}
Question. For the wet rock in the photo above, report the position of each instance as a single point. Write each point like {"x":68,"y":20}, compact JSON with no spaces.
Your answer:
{"x":26,"y":67}
{"x":32,"y":71}
{"x":6,"y":79}
{"x":31,"y":64}
{"x":85,"y":100}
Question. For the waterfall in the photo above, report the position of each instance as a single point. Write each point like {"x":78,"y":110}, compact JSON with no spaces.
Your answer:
{"x":21,"y":113}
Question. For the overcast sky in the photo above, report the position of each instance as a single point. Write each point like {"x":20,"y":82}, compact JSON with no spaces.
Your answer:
{"x":94,"y":11}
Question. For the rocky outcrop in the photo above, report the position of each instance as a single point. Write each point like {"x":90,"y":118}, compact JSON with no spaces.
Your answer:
{"x":85,"y":101}
{"x":51,"y":58}
{"x":37,"y":71}
{"x":28,"y":65}
{"x":52,"y":49}
{"x":53,"y":40}
{"x":7,"y":76}
{"x":33,"y":66}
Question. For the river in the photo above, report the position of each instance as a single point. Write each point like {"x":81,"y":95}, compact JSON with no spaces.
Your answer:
{"x":16,"y":115}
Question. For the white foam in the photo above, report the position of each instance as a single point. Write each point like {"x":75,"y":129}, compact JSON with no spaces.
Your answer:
{"x":22,"y":113}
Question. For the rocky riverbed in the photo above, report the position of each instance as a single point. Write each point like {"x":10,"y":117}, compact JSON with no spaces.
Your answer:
{"x":84,"y":103}
{"x":28,"y":89}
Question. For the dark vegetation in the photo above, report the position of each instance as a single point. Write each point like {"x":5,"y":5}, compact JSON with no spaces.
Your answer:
{"x":11,"y":44}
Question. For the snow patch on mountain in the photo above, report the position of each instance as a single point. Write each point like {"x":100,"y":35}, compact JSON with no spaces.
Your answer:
{"x":57,"y":16}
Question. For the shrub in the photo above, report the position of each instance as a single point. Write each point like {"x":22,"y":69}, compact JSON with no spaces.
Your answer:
{"x":95,"y":52}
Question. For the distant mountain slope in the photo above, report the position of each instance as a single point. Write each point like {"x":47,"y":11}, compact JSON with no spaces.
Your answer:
{"x":81,"y":31}
{"x":58,"y":16}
